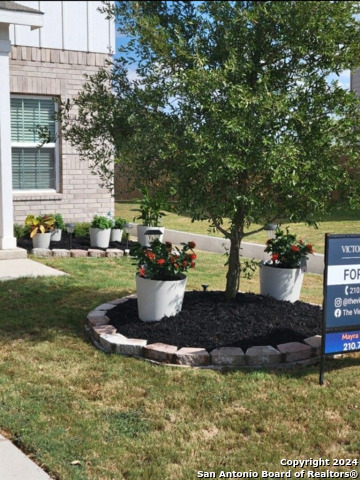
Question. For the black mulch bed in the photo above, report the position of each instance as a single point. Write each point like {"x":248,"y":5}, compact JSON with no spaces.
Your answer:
{"x":207,"y":321}
{"x":79,"y":243}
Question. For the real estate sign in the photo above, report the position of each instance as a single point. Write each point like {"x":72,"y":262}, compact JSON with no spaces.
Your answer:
{"x":341,"y":316}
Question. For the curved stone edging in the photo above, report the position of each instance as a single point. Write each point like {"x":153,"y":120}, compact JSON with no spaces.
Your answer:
{"x":104,"y":336}
{"x":77,"y":253}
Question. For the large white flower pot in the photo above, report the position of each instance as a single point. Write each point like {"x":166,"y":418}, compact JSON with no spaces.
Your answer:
{"x":56,"y":235}
{"x":141,"y":229}
{"x":100,"y":238}
{"x":159,"y":298}
{"x":281,"y":283}
{"x":116,"y":235}
{"x":42,"y":240}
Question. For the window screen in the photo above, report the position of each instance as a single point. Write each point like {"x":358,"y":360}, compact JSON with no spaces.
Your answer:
{"x":33,"y":167}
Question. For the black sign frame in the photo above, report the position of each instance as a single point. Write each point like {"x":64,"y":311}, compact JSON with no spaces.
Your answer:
{"x":338,"y":328}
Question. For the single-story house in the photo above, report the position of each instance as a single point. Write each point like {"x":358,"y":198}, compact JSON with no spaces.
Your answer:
{"x":46,"y":47}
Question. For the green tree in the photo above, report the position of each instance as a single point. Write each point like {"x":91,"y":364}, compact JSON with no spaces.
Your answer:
{"x":231,"y":109}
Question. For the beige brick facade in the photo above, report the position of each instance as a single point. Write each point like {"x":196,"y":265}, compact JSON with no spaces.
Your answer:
{"x":58,"y":73}
{"x":355,"y":81}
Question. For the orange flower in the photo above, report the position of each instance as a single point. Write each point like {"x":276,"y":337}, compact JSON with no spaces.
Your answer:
{"x":274,"y":257}
{"x":309,"y":247}
{"x":294,"y":248}
{"x":161,"y":261}
{"x":150,"y":255}
{"x":141,"y":272}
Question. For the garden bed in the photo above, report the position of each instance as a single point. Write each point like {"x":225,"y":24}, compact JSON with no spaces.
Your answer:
{"x":207,"y":320}
{"x":78,"y":243}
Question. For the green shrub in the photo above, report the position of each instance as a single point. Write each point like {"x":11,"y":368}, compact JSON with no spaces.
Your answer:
{"x":101,"y":222}
{"x":119,"y":223}
{"x":21,"y":231}
{"x":59,"y":222}
{"x":82,"y":229}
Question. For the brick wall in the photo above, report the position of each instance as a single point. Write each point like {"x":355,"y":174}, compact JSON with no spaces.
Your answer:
{"x":58,"y":73}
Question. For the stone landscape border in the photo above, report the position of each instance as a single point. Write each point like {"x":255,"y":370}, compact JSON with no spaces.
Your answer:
{"x":104,"y":336}
{"x":77,"y":253}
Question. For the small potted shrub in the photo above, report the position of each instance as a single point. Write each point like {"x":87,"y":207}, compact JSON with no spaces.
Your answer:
{"x":59,"y":226}
{"x":100,"y":231}
{"x":117,"y":229}
{"x":282,"y":276}
{"x":160,"y":281}
{"x":150,"y":215}
{"x":40,"y":229}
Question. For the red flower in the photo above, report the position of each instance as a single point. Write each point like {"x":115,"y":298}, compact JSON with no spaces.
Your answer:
{"x":191,"y":244}
{"x":274,"y":257}
{"x":161,"y":261}
{"x":294,"y":248}
{"x":184,"y":263}
{"x":141,"y":272}
{"x":150,"y":255}
{"x":309,"y":247}
{"x":192,"y":265}
{"x":193,"y":256}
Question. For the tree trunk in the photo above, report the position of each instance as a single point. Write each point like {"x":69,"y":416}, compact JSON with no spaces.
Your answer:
{"x":233,"y":274}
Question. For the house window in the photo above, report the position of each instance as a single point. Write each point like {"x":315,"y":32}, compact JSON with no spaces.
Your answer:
{"x":33,"y":168}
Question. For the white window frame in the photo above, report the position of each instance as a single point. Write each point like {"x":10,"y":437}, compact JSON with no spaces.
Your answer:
{"x":54,"y":145}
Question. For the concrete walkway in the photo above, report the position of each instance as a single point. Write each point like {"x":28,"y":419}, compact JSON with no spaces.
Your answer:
{"x":14,"y":465}
{"x":17,"y":268}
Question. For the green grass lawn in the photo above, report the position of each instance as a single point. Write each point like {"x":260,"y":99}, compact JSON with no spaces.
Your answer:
{"x":64,"y":401}
{"x":342,"y":221}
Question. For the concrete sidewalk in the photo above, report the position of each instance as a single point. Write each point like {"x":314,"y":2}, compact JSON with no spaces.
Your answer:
{"x":14,"y":465}
{"x":18,"y":268}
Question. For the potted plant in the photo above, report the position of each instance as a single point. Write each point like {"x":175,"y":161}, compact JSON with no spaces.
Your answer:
{"x":117,"y":229}
{"x":59,"y":226}
{"x":282,"y":276}
{"x":160,"y":281}
{"x":150,"y":215}
{"x":40,"y":229}
{"x":100,"y":231}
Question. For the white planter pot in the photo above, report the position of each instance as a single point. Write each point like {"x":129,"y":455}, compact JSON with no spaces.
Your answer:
{"x":141,"y":229}
{"x":56,"y":235}
{"x":281,"y":283}
{"x":100,"y":238}
{"x":42,"y":240}
{"x":116,"y":235}
{"x":159,"y":298}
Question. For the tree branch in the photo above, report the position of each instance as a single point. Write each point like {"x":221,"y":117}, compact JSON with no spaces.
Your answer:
{"x":259,"y":229}
{"x":219,"y":227}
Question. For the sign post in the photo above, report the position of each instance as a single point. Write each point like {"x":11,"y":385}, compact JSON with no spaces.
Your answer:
{"x":341,"y":309}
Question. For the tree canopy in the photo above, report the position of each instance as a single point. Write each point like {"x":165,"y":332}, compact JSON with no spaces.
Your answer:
{"x":230,"y":109}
